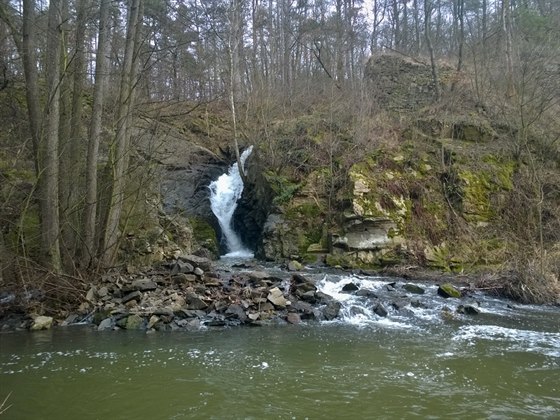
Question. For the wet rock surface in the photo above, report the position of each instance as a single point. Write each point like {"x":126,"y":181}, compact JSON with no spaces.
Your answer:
{"x":192,"y":292}
{"x":189,"y":293}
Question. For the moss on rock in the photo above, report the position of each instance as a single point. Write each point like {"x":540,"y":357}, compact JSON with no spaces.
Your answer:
{"x":204,"y":234}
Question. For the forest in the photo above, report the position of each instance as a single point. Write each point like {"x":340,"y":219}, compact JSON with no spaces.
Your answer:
{"x":90,"y":90}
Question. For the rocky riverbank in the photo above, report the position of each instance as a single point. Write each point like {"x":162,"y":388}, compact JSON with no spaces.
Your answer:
{"x":191,"y":292}
{"x":184,"y":294}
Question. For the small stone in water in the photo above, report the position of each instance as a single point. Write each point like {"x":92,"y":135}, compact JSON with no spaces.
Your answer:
{"x":447,"y":290}
{"x":42,"y":323}
{"x":350,"y":287}
{"x":380,"y":310}
{"x":413,"y":288}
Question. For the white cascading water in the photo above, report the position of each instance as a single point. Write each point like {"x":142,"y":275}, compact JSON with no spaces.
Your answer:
{"x":224,"y":195}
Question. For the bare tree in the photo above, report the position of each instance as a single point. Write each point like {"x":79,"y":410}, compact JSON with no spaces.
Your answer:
{"x":48,"y":146}
{"x":29,"y":58}
{"x":506,"y":28}
{"x":90,"y":206}
{"x":119,"y":153}
{"x":427,"y":34}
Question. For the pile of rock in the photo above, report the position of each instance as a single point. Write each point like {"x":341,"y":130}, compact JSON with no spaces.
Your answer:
{"x":186,"y":294}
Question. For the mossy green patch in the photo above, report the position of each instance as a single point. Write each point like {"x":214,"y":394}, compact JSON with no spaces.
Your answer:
{"x":284,"y":188}
{"x":448,"y":290}
{"x":480,"y":182}
{"x":204,"y":234}
{"x":25,"y":236}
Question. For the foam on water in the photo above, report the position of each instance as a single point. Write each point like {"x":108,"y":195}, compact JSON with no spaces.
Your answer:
{"x":241,"y":254}
{"x":434,"y":315}
{"x":358,"y":310}
{"x":547,"y":343}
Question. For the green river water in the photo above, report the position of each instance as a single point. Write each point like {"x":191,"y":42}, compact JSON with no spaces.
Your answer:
{"x":504,"y":363}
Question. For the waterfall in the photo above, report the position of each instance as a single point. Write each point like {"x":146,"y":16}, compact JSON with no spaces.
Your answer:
{"x":224,"y":194}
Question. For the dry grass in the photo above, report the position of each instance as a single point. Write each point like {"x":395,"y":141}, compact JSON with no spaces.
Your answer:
{"x":536,"y":280}
{"x":41,"y":291}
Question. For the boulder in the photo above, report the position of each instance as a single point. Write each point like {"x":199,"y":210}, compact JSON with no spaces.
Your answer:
{"x":212,"y":282}
{"x":366,"y":293}
{"x":331,"y":310}
{"x":293,"y":318}
{"x":181,"y":267}
{"x":106,"y":324}
{"x":144,"y":285}
{"x":134,"y":322}
{"x":468,"y":310}
{"x":276,"y":297}
{"x":380,"y":310}
{"x":399,"y":304}
{"x":166,"y":311}
{"x":350,"y":287}
{"x":103,"y":292}
{"x":310,"y":297}
{"x":266,"y":307}
{"x":42,"y":323}
{"x":183,"y":278}
{"x":194,"y":302}
{"x":196,"y":261}
{"x":259,"y":277}
{"x":236,"y":311}
{"x":323,"y":297}
{"x":303,"y":308}
{"x":301,"y":285}
{"x":417,"y":304}
{"x":136,"y":295}
{"x":414,"y":288}
{"x":295,"y":266}
{"x":447,"y":290}
{"x":401,"y":82}
{"x":154,"y":319}
{"x":91,"y":294}
{"x":254,"y":316}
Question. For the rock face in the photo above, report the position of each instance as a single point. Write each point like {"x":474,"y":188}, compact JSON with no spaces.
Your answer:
{"x":396,"y":206}
{"x":402,"y":83}
{"x":390,"y":204}
{"x":254,"y":206}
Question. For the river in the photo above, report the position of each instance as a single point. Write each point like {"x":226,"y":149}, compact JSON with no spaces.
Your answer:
{"x":423,"y":361}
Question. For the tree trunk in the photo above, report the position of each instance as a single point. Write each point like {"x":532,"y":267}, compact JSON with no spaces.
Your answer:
{"x":233,"y":46}
{"x":396,"y":25}
{"x":48,"y":156}
{"x":484,"y":24}
{"x":71,"y":157}
{"x":66,"y":180}
{"x":119,"y":154}
{"x":339,"y":73}
{"x":29,"y":59}
{"x":427,"y":32}
{"x":90,"y":207}
{"x":506,"y":27}
{"x":461,"y":16}
{"x":417,"y":40}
